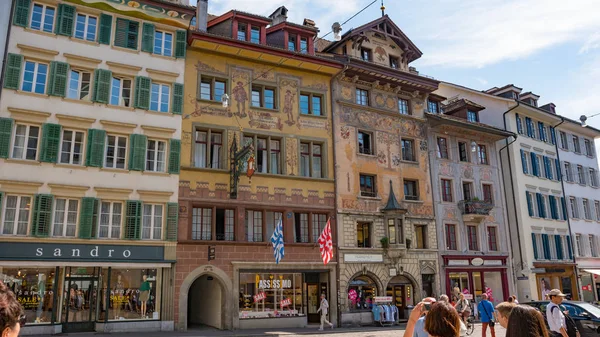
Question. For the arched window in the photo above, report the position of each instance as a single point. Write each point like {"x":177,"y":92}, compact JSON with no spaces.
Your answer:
{"x":361,"y":291}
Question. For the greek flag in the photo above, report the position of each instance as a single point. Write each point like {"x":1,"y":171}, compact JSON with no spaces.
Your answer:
{"x":277,"y":241}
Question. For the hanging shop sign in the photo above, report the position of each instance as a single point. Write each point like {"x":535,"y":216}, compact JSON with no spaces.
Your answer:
{"x":285,"y":302}
{"x":477,"y":261}
{"x":25,"y":251}
{"x":260,"y":296}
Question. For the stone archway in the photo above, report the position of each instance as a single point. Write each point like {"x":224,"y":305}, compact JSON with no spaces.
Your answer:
{"x":203,"y":280}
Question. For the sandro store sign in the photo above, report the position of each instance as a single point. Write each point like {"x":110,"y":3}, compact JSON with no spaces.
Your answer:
{"x":79,"y":252}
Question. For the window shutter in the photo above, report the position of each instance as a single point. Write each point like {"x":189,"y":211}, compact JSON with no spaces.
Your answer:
{"x":180,"y":43}
{"x":538,"y":198}
{"x":535,"y":252}
{"x":95,"y":148}
{"x":524,"y":162}
{"x":569,"y":248}
{"x":564,"y":207}
{"x":21,"y":14}
{"x":529,"y":204}
{"x":174,"y":155}
{"x":12,"y":78}
{"x":552,"y":136}
{"x":88,"y":218}
{"x":42,"y":215}
{"x":558,"y":169}
{"x":559,"y":247}
{"x":142,"y":92}
{"x":546,"y":244}
{"x":177,"y":105}
{"x":172,"y":220}
{"x":50,"y":142}
{"x":137,"y":152}
{"x":66,"y":20}
{"x":105,"y":29}
{"x":148,"y":37}
{"x":6,"y":126}
{"x":551,"y":201}
{"x":101,"y":92}
{"x":58,"y":79}
{"x":133,"y":220}
{"x":534,"y":166}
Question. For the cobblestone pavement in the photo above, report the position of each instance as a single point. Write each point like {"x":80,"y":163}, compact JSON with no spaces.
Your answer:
{"x":310,"y":331}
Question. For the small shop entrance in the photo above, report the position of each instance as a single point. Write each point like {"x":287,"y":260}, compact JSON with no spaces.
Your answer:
{"x":80,"y":299}
{"x":314,"y":288}
{"x":205,"y":303}
{"x":401,"y":290}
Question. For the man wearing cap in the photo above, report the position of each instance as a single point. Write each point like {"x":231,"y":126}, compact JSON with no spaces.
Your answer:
{"x":556,"y":319}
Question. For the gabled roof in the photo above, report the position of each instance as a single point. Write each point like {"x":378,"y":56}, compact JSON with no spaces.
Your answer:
{"x":397,"y":36}
{"x":235,"y":13}
{"x":392,"y":204}
{"x":462,"y":103}
{"x":496,"y":90}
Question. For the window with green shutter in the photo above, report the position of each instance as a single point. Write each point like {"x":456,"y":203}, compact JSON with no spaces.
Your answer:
{"x":105,"y":29}
{"x":180,"y":43}
{"x":58,"y":78}
{"x":142,"y":92}
{"x":50,"y":142}
{"x":147,"y":37}
{"x":6,"y":125}
{"x":88,"y":218}
{"x":12,"y":77}
{"x":95,"y":148}
{"x":177,"y":105}
{"x":137,"y":152}
{"x":133,"y":220}
{"x":126,"y":33}
{"x":21,"y":14}
{"x":174,"y":155}
{"x":42,"y":215}
{"x":172,"y":220}
{"x":101,"y":92}
{"x":66,"y":20}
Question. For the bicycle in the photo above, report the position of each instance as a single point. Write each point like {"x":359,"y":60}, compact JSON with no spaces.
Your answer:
{"x":470,"y":326}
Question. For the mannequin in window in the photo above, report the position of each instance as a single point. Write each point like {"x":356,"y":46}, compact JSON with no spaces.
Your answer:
{"x":41,"y":292}
{"x":119,"y":296}
{"x":144,"y":294}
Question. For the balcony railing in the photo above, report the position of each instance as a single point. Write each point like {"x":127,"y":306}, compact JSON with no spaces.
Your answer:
{"x":475,"y":207}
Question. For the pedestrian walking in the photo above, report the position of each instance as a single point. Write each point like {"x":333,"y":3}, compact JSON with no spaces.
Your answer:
{"x":526,"y":321}
{"x":487,"y":315}
{"x":504,"y":310}
{"x":441,"y":320}
{"x":555,"y":317}
{"x":11,"y":313}
{"x":324,"y":308}
{"x":463,"y":307}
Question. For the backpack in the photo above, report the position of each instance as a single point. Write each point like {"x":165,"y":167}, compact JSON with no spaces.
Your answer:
{"x":571,"y":326}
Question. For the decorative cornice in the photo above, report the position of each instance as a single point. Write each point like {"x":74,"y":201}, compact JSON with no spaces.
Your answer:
{"x":112,"y":193}
{"x":121,"y":68}
{"x":82,"y":61}
{"x":26,"y":115}
{"x":68,"y":190}
{"x":28,"y":187}
{"x":162,"y":76}
{"x":118,"y":127}
{"x":155,"y":131}
{"x":75,"y":122}
{"x":37,"y":53}
{"x":155,"y":196}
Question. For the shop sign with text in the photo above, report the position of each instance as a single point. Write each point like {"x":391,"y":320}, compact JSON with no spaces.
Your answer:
{"x":27,"y":251}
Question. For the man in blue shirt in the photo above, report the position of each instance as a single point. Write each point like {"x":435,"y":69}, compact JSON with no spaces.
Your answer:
{"x":420,"y":325}
{"x":487,"y":315}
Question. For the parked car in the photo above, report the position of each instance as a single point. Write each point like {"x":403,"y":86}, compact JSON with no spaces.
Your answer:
{"x":585,"y":315}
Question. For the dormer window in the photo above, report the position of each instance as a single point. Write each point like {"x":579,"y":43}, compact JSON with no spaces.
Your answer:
{"x":472,"y":116}
{"x":292,"y":43}
{"x":255,"y":34}
{"x":433,"y":107}
{"x":394,"y":63}
{"x":241,"y":35}
{"x":366,"y":54}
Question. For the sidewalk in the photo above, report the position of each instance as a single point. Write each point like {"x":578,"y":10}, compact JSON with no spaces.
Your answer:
{"x":210,"y":332}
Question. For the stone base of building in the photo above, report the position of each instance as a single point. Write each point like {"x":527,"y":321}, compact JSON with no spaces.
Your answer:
{"x":137,"y":326}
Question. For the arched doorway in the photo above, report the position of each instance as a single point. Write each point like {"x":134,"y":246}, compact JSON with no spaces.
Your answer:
{"x":206,"y":299}
{"x":402,"y":291}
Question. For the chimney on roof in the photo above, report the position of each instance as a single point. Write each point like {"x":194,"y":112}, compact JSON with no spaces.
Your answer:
{"x":309,"y":23}
{"x":550,"y":107}
{"x":413,"y":70}
{"x":279,"y":16}
{"x":202,"y":15}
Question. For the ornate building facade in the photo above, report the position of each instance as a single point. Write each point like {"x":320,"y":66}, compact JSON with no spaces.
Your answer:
{"x":90,"y":126}
{"x":387,"y":242}
{"x":279,"y":104}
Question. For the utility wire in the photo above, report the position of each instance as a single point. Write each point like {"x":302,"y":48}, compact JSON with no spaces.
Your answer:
{"x":287,"y":58}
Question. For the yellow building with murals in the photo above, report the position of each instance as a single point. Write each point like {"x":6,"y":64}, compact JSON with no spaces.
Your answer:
{"x":278,"y":100}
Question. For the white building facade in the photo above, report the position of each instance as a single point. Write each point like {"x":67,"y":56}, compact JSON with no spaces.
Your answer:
{"x":90,"y":135}
{"x":579,"y":164}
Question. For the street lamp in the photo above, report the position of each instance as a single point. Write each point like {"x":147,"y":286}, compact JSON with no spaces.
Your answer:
{"x":584,"y":118}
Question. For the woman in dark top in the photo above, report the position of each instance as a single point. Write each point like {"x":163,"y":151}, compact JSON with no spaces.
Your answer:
{"x":526,"y":321}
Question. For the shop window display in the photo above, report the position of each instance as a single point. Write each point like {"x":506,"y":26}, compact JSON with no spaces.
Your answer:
{"x":134,"y":294}
{"x":264,"y":295}
{"x":33,"y":288}
{"x":361,"y":291}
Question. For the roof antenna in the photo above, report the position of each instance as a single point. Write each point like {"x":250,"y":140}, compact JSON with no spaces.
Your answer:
{"x":382,"y":9}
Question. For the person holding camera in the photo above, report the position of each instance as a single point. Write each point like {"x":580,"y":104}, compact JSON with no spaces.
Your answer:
{"x":487,"y":314}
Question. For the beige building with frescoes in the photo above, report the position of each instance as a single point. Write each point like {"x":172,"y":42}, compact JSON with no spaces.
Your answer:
{"x":387,"y":242}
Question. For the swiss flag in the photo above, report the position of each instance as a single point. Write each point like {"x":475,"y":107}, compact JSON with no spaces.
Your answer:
{"x":326,"y":244}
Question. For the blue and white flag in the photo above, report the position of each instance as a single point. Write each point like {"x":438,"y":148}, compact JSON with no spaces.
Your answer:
{"x":277,"y":241}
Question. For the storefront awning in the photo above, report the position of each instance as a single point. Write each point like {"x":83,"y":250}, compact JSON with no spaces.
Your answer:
{"x":593,"y":271}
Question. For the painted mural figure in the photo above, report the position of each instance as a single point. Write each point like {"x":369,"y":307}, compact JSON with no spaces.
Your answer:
{"x":288,"y":107}
{"x":240,"y":96}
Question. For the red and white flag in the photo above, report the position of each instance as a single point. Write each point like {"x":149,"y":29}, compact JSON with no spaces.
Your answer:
{"x":326,"y":244}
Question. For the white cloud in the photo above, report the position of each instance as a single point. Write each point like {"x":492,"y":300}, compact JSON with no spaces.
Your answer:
{"x":592,"y":42}
{"x":480,"y":33}
{"x":324,"y":13}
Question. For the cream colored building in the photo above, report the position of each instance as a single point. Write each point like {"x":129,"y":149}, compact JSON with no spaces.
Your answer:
{"x":90,"y":129}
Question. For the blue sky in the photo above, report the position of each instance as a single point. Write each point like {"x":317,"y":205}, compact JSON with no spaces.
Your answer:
{"x":549,"y":47}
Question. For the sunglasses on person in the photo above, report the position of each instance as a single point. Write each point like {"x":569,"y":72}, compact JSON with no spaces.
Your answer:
{"x":22,"y":320}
